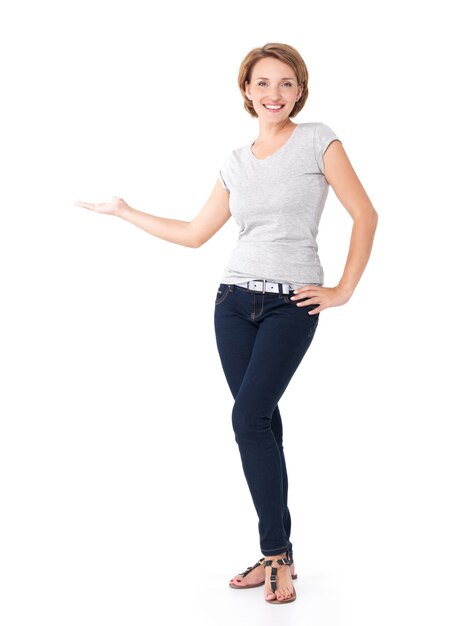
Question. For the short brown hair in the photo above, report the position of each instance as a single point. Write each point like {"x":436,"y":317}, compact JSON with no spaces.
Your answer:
{"x":283,"y":52}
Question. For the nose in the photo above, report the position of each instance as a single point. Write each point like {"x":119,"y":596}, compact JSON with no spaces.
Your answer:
{"x":274,"y":93}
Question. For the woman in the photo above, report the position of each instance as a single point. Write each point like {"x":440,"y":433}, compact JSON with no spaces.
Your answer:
{"x":271,"y":293}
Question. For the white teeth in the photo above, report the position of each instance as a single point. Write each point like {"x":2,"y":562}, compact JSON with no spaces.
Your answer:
{"x":273,"y":106}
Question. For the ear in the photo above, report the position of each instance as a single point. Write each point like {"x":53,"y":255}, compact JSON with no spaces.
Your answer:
{"x":248,"y":95}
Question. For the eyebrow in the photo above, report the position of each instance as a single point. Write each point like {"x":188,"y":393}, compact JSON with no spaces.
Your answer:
{"x":264,"y":78}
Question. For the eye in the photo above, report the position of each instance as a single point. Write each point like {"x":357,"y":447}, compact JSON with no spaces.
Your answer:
{"x":263,"y":82}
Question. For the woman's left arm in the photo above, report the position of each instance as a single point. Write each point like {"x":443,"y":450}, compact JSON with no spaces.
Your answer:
{"x":348,"y":188}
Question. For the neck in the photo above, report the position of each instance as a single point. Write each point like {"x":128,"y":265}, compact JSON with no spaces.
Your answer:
{"x":271,"y":131}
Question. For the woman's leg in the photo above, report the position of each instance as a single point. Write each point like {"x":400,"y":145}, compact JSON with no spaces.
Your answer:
{"x":236,"y":336}
{"x":277,"y":352}
{"x":276,"y":427}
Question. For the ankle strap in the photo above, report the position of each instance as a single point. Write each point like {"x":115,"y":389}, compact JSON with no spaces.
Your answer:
{"x":283,"y":561}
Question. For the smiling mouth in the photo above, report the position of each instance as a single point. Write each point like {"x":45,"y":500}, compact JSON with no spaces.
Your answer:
{"x":274,"y":107}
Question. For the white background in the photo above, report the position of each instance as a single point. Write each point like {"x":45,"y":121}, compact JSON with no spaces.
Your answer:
{"x":122,"y":491}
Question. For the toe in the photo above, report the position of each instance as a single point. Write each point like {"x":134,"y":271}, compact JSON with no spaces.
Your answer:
{"x":283,"y":593}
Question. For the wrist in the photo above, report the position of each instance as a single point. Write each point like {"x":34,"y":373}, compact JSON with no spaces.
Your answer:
{"x":345,"y":290}
{"x":123,"y":211}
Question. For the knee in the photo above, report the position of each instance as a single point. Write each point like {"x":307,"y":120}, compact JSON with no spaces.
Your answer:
{"x":249,"y":424}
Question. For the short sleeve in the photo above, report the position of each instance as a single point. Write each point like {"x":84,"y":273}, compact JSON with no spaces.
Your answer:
{"x":222,"y":180}
{"x":322,"y":138}
{"x":224,"y":172}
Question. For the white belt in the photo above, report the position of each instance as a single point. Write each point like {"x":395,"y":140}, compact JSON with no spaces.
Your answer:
{"x":265,"y":286}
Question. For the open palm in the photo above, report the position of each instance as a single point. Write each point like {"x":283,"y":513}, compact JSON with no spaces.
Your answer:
{"x":113,"y":207}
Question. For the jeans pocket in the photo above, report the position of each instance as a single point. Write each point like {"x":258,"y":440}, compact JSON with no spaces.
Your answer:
{"x":308,"y":307}
{"x":222,"y":293}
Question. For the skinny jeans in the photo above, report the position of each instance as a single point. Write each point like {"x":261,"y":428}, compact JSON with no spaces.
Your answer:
{"x":261,"y":339}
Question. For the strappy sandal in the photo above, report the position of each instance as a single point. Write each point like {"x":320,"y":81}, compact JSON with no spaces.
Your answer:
{"x":247,"y":571}
{"x":273,"y":580}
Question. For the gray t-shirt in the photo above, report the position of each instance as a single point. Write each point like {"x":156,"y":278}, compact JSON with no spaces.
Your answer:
{"x":277,"y":203}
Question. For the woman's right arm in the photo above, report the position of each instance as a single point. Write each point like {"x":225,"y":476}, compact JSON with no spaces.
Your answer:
{"x":193,"y":234}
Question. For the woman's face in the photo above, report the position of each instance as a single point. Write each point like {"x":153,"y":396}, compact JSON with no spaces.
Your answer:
{"x":273,"y":82}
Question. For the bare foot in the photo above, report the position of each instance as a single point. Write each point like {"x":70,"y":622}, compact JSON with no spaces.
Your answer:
{"x":257,"y":575}
{"x":284,"y":587}
{"x":254,"y":577}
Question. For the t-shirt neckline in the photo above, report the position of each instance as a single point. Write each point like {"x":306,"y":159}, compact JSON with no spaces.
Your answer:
{"x":280,"y":149}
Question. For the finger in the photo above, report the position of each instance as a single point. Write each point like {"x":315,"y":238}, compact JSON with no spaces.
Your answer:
{"x":301,"y":297}
{"x":86,"y":205}
{"x":314,"y":300}
{"x":317,"y":310}
{"x":312,"y":291}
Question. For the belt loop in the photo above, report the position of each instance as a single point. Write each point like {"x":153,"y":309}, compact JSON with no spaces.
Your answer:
{"x":264,"y":285}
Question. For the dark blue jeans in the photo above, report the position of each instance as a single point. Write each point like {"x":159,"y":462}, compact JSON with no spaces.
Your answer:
{"x":261,"y":340}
